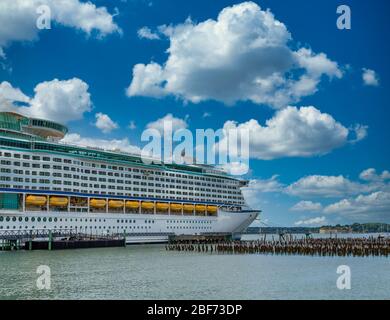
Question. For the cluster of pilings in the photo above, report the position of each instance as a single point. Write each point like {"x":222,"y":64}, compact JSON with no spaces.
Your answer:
{"x":357,"y":247}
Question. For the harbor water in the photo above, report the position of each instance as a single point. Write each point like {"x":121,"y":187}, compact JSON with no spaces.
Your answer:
{"x":151,"y":272}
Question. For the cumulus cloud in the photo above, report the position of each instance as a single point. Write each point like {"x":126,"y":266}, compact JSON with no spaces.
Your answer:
{"x":242,"y":55}
{"x":321,"y":186}
{"x":371,"y":175}
{"x":307,"y":206}
{"x":18,"y":19}
{"x":146,"y":33}
{"x":326,"y":186}
{"x":311,"y":221}
{"x":104,"y":123}
{"x":10,"y":95}
{"x":235,"y":168}
{"x":370,"y":77}
{"x":264,"y":185}
{"x":292,"y":132}
{"x":371,"y":207}
{"x":360,"y":131}
{"x":169,"y":121}
{"x":111,"y":145}
{"x":57,"y":100}
{"x":256,"y":187}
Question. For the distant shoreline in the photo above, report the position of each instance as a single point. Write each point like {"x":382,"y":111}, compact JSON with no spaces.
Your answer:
{"x":355,"y":228}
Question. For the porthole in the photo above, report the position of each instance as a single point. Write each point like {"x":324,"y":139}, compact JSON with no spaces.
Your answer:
{"x":1,"y":219}
{"x":39,"y":219}
{"x":50,"y":219}
{"x":33,"y":219}
{"x":44,"y":219}
{"x":55,"y":219}
{"x":26,"y":219}
{"x":8,"y":219}
{"x":20,"y":219}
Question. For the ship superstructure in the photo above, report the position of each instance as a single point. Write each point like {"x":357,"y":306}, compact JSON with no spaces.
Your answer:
{"x":47,"y":184}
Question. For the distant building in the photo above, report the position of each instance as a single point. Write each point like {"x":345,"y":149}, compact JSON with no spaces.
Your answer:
{"x":335,"y":230}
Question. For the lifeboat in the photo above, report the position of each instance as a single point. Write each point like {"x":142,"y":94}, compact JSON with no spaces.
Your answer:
{"x":97,"y":203}
{"x":212,"y":209}
{"x":176,"y":206}
{"x":147,"y":205}
{"x":58,"y":201}
{"x":36,"y":200}
{"x":188,"y":207}
{"x":162,"y":206}
{"x":132,"y":204}
{"x":115,"y":204}
{"x":200,"y":208}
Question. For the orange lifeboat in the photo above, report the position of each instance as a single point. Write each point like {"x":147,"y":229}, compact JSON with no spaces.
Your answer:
{"x":212,"y":209}
{"x":147,"y":205}
{"x":115,"y":204}
{"x":97,"y":203}
{"x":58,"y":201}
{"x":176,"y":206}
{"x":36,"y":200}
{"x":162,"y":206}
{"x":200,"y":208}
{"x":132,"y":204}
{"x":188,"y":207}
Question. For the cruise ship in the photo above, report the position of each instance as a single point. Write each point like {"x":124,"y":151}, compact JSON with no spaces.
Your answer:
{"x":47,"y":184}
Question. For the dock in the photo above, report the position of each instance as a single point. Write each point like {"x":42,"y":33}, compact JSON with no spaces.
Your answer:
{"x":56,"y":240}
{"x":342,"y":247}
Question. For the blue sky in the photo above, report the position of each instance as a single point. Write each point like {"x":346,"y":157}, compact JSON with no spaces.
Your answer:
{"x":104,"y":59}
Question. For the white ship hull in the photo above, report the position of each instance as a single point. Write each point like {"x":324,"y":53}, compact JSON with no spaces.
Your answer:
{"x":138,"y":228}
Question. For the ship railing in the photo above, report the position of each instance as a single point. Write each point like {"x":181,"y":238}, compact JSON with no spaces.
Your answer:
{"x":53,"y":233}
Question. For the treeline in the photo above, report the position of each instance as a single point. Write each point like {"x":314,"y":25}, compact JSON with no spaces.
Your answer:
{"x":366,"y":227}
{"x":356,"y":228}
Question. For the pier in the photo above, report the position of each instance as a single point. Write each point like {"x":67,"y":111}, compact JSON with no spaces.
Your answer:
{"x":356,"y":247}
{"x":56,"y":240}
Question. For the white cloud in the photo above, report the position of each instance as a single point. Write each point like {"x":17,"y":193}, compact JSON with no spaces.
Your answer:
{"x":104,"y":123}
{"x":320,"y":186}
{"x":10,"y":95}
{"x":372,"y":207}
{"x":146,"y":33}
{"x":371,"y":175}
{"x":132,"y":125}
{"x":360,"y":132}
{"x":57,"y":100}
{"x":256,"y":187}
{"x":370,"y":78}
{"x":243,"y":55}
{"x":265,"y":185}
{"x":311,"y":221}
{"x":235,"y":168}
{"x":18,"y":19}
{"x":111,"y":145}
{"x":326,"y":186}
{"x":307,"y":206}
{"x":169,"y":121}
{"x":206,"y":115}
{"x":292,"y":132}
